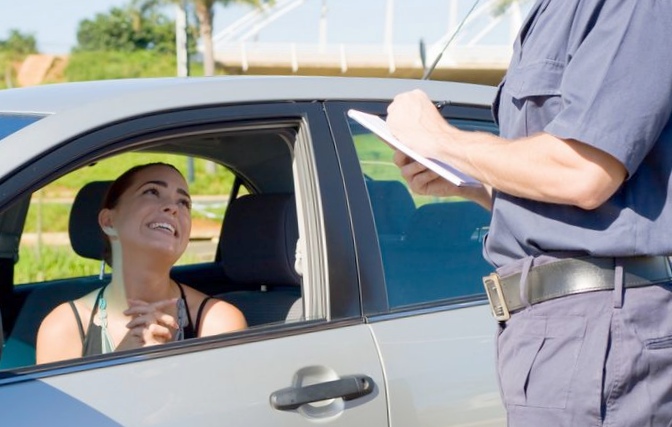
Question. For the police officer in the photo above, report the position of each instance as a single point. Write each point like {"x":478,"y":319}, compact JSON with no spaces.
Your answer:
{"x":579,"y":186}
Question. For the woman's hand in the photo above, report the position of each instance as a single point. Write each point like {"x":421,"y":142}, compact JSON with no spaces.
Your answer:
{"x":150,"y":325}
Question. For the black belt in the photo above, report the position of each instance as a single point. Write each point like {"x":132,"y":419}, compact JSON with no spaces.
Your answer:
{"x":571,"y":276}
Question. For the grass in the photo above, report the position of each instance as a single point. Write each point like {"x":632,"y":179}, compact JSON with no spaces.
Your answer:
{"x":50,"y":209}
{"x":50,"y":262}
{"x":84,"y":66}
{"x":376,"y":162}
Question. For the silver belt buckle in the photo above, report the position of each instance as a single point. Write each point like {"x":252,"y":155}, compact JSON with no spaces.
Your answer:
{"x":493,"y":288}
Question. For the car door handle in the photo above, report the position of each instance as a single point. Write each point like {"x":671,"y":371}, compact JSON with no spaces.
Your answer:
{"x":346,"y":388}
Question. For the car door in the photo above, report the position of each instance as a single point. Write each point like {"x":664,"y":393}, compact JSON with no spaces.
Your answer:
{"x":321,"y":370}
{"x":422,"y":296}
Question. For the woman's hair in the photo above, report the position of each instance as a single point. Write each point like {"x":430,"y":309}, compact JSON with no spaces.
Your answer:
{"x":114,"y":192}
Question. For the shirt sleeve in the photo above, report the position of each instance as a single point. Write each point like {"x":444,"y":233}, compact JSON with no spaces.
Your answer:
{"x":617,"y":85}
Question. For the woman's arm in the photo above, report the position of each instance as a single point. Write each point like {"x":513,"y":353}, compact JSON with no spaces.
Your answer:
{"x":220,"y":317}
{"x":58,"y":336}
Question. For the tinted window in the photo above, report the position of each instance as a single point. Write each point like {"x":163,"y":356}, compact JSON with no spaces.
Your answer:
{"x":10,"y":123}
{"x":431,"y":247}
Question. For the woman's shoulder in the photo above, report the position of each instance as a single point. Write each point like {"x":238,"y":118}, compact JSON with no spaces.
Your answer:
{"x":218,"y":316}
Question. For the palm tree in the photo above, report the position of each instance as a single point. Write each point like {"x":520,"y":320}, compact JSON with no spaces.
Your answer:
{"x":205,"y":11}
{"x":500,"y":6}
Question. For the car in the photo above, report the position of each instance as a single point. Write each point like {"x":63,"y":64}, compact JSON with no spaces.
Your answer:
{"x":364,"y":301}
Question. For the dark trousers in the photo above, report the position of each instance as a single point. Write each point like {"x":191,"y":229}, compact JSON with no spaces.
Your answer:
{"x":579,"y":361}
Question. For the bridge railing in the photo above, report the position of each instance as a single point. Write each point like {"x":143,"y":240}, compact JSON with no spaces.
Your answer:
{"x":345,"y":56}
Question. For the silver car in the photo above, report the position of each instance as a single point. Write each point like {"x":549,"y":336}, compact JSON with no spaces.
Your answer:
{"x":364,"y":302}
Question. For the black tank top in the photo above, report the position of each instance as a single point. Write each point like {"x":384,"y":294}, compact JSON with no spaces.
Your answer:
{"x":91,"y":341}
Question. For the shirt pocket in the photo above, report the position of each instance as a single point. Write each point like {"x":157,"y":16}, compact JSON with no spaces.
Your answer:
{"x":534,"y":92}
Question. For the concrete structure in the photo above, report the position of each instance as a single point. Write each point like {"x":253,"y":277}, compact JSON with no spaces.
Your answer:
{"x":479,"y":51}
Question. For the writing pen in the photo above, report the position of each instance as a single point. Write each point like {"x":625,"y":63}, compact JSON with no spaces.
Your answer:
{"x":440,"y":105}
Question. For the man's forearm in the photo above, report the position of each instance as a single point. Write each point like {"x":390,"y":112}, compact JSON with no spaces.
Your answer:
{"x":541,"y":167}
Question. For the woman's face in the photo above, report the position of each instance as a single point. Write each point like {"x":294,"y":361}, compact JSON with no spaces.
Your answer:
{"x":154,"y":212}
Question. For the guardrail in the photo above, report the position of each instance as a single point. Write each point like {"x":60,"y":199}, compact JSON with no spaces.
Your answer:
{"x":346,"y":56}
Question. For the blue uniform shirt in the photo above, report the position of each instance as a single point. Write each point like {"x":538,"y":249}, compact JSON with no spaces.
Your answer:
{"x":599,"y":72}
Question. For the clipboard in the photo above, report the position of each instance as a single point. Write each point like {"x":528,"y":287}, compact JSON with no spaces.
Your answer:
{"x":379,"y":127}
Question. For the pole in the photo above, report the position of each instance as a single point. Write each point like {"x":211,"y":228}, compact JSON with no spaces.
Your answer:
{"x":181,"y":40}
{"x":182,"y":53}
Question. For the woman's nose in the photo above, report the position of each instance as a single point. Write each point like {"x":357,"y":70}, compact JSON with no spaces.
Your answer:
{"x":170,"y":207}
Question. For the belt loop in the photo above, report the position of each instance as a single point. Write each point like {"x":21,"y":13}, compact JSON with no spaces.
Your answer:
{"x":618,"y":283}
{"x":527,"y":265}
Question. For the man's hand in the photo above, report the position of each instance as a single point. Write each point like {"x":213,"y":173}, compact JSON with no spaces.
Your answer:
{"x":415,"y":121}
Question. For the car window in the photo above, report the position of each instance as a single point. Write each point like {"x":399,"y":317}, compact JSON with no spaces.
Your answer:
{"x":243,"y":213}
{"x":10,"y":123}
{"x":45,"y":251}
{"x":431,"y":247}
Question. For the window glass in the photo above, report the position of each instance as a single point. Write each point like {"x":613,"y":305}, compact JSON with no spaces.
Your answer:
{"x":431,"y":247}
{"x":45,"y":252}
{"x":10,"y":123}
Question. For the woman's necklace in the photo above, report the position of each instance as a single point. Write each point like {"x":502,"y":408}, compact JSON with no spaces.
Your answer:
{"x":107,"y":344}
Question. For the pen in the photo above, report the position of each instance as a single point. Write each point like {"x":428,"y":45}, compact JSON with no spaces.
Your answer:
{"x":440,"y":105}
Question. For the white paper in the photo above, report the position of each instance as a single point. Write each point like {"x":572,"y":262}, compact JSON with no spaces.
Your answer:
{"x":379,"y":127}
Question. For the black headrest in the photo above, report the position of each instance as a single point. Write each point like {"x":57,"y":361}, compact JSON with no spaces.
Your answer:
{"x":86,"y":237}
{"x":392,"y":205}
{"x":449,"y":224}
{"x":258,"y":240}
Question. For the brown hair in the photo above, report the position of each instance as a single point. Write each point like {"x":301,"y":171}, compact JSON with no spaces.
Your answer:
{"x":114,"y":192}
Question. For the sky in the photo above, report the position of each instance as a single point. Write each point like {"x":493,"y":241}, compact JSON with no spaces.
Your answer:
{"x":54,"y":22}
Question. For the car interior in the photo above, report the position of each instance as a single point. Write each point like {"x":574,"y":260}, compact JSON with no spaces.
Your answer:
{"x":253,"y":261}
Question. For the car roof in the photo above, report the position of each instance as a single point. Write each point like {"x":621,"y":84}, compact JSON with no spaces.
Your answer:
{"x":71,"y":109}
{"x":147,"y":94}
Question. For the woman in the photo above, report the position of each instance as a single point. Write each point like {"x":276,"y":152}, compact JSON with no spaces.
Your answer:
{"x":146,"y":218}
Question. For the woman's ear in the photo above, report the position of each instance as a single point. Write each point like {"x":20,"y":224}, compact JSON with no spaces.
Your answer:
{"x":105,"y":222}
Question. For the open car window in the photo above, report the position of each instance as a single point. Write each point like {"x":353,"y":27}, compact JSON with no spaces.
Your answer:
{"x":46,"y":252}
{"x":243,"y":210}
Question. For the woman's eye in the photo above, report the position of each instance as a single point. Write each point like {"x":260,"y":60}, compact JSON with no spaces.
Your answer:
{"x":186,"y":203}
{"x":152,"y":191}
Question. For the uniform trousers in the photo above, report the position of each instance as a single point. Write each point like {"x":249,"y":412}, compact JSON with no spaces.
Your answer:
{"x":581,"y":360}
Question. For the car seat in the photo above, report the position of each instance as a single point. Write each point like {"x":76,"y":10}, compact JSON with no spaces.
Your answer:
{"x":257,"y":252}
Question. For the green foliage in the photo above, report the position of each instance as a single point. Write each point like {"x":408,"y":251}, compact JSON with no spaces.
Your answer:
{"x":49,"y":256}
{"x":138,"y":27}
{"x":38,"y":263}
{"x":204,"y":182}
{"x":50,"y":207}
{"x":501,"y":6}
{"x":6,"y":70}
{"x":375,"y":158}
{"x":19,"y":43}
{"x":102,"y":65}
{"x":84,"y":66}
{"x":44,"y":262}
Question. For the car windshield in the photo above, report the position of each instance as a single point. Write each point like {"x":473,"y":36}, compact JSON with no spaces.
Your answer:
{"x":10,"y":123}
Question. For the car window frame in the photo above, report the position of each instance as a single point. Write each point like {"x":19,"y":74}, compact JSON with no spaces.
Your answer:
{"x":374,"y":290}
{"x":342,"y":300}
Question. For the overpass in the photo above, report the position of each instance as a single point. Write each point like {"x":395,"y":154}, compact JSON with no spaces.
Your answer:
{"x":479,"y":52}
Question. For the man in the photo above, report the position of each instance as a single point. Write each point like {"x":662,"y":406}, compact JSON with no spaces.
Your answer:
{"x":579,"y":187}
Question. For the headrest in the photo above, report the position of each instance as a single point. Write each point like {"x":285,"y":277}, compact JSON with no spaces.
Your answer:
{"x":86,"y":238}
{"x":392,"y":205}
{"x":447,"y":224}
{"x":258,"y":241}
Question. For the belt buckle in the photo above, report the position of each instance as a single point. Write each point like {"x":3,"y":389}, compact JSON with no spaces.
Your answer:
{"x":493,"y":288}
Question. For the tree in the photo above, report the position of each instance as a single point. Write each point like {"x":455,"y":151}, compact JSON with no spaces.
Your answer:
{"x":19,"y":43}
{"x":139,"y":26}
{"x":501,"y":6}
{"x":204,"y":10}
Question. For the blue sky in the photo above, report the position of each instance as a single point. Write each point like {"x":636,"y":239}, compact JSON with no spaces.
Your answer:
{"x":54,"y":22}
